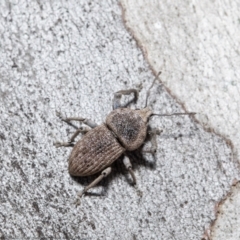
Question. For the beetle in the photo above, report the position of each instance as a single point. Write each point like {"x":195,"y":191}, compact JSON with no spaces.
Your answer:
{"x":124,"y":130}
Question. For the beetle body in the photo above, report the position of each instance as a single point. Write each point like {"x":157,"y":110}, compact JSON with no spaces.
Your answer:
{"x":124,"y":130}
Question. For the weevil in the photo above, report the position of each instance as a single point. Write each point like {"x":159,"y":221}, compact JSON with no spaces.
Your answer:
{"x":124,"y":130}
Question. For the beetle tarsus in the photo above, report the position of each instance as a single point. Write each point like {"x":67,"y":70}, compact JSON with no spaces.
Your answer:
{"x":132,"y":175}
{"x":77,"y":202}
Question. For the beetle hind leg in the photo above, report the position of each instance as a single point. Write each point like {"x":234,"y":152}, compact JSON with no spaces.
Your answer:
{"x":104,"y":174}
{"x":70,"y":142}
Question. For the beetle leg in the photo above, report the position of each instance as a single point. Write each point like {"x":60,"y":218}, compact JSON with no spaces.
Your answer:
{"x":118,"y":95}
{"x":128,"y":165}
{"x":63,"y":144}
{"x":104,"y":174}
{"x":153,"y":138}
{"x":88,"y":122}
{"x":70,"y":142}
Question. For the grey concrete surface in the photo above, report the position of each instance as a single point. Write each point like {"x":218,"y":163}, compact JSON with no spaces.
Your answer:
{"x":71,"y":56}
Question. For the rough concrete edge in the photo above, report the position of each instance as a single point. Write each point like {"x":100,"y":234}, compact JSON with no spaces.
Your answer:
{"x":206,"y":234}
{"x":145,"y":54}
{"x":218,"y":205}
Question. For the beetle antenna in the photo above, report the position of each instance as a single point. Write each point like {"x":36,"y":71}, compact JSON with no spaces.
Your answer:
{"x":173,"y":114}
{"x":148,"y":91}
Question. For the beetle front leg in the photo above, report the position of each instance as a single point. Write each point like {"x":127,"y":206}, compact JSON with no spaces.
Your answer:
{"x":104,"y":174}
{"x":153,"y":139}
{"x":70,"y":142}
{"x":118,"y":95}
{"x":128,"y":166}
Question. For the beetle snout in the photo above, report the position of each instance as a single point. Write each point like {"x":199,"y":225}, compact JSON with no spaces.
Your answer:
{"x":145,"y":113}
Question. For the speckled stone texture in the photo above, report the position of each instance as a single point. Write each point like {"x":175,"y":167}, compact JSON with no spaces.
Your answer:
{"x":71,"y":56}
